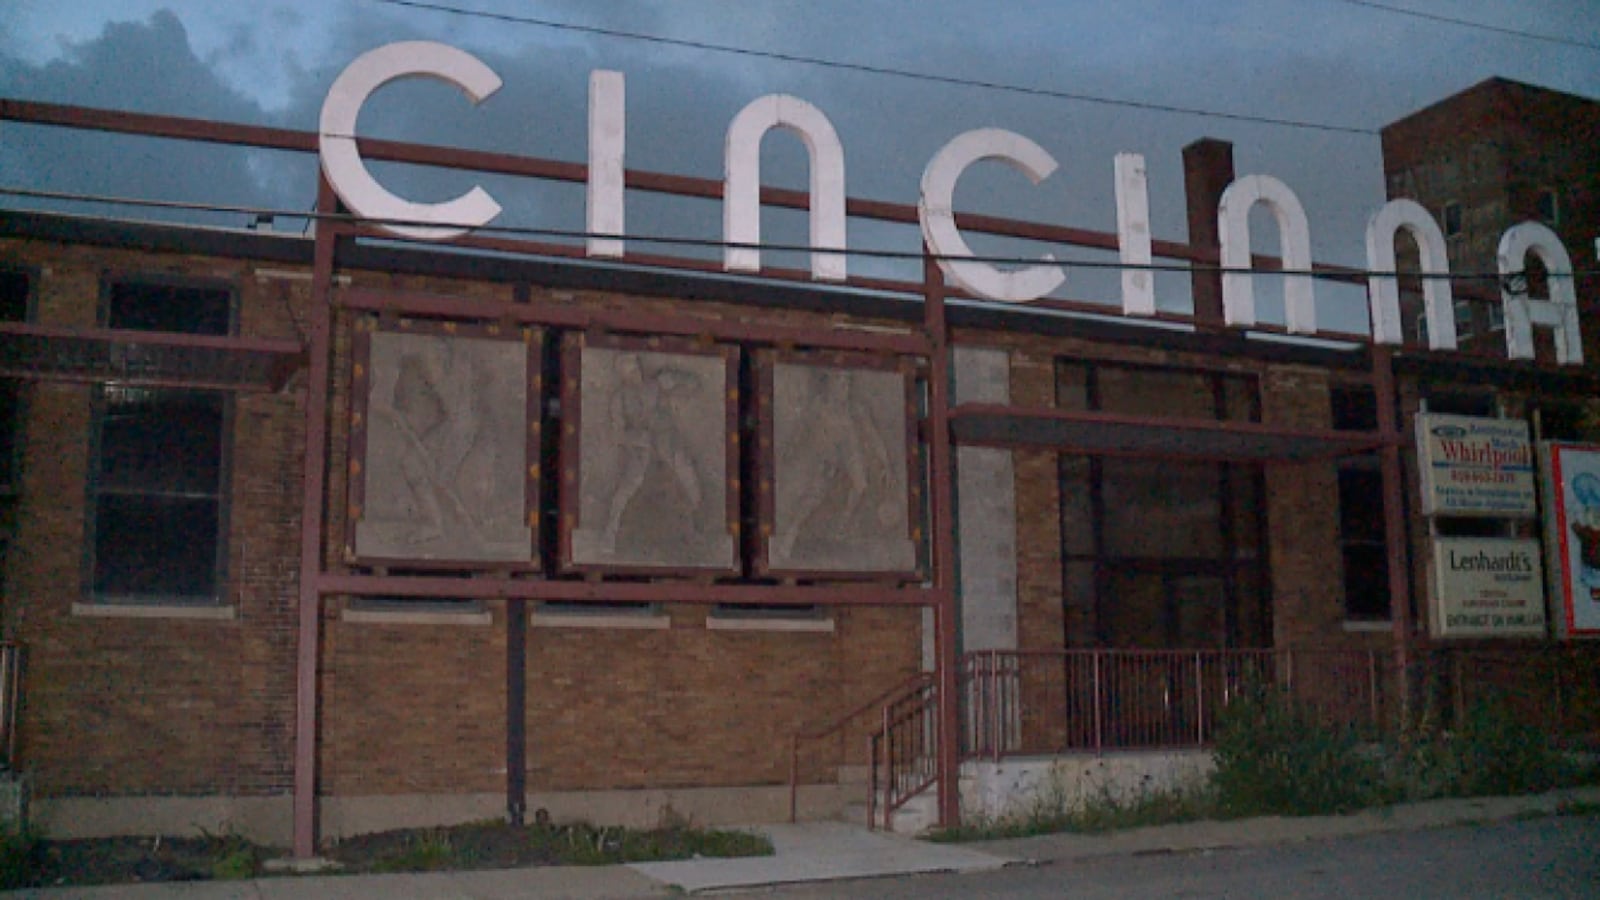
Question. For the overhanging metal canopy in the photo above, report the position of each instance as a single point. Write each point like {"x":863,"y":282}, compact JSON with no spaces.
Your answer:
{"x":146,"y":358}
{"x":1119,"y":435}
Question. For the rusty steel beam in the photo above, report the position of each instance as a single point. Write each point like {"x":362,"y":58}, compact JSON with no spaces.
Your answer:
{"x":584,"y":591}
{"x":1394,"y":521}
{"x":941,"y":467}
{"x":577,"y":317}
{"x":307,"y":636}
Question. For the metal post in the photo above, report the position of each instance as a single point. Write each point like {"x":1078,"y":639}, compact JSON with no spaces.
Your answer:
{"x":1394,"y":521}
{"x":943,"y":536}
{"x":308,"y":636}
{"x":1099,"y":704}
{"x":1199,"y":700}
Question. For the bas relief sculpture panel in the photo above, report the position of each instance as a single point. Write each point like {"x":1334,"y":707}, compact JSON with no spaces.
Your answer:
{"x":446,"y":450}
{"x":652,"y":461}
{"x":841,"y":501}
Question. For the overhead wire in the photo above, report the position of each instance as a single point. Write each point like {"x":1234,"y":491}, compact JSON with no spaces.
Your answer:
{"x":865,"y":68}
{"x":1343,"y":274}
{"x":1473,"y":24}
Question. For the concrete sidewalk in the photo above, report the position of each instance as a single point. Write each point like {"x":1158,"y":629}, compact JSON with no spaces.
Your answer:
{"x":826,"y":851}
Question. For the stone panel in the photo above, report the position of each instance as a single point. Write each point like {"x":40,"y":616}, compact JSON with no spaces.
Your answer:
{"x":446,"y":448}
{"x":839,"y":474}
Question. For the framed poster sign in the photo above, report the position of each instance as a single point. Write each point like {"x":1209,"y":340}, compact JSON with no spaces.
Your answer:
{"x":1487,"y":588}
{"x":1471,"y":466}
{"x":1572,"y":531}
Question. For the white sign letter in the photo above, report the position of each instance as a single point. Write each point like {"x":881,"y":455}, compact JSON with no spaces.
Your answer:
{"x":607,"y":141}
{"x":936,"y":210}
{"x":341,"y":161}
{"x":1560,"y":312}
{"x":1233,"y":227}
{"x":741,"y":192}
{"x":1383,"y":292}
{"x":1133,"y":236}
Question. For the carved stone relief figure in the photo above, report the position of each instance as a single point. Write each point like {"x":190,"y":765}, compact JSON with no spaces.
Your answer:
{"x":841,"y":499}
{"x":653,"y":431}
{"x":446,"y":450}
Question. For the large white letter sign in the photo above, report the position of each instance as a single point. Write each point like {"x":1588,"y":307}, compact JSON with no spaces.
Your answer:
{"x":741,"y":192}
{"x":1383,"y":291}
{"x":936,"y":210}
{"x":1560,"y":312}
{"x":607,"y":141}
{"x":1133,"y":236}
{"x":341,"y":161}
{"x":1233,"y":226}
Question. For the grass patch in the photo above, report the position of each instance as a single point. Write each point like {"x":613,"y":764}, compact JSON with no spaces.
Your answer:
{"x":499,"y":845}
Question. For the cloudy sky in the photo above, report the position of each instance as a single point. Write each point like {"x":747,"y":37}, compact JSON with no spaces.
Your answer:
{"x":1340,"y":63}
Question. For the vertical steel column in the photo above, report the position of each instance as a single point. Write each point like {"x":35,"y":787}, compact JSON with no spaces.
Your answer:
{"x":943,"y":537}
{"x":319,"y":350}
{"x":1394,"y":521}
{"x":1207,"y":172}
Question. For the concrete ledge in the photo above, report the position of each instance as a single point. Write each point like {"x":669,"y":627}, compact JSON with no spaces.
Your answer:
{"x":154,"y":611}
{"x":476,"y":617}
{"x":642,"y":808}
{"x":649,"y":621}
{"x":1018,"y":786}
{"x":1269,"y":830}
{"x":769,"y":623}
{"x":267,"y":820}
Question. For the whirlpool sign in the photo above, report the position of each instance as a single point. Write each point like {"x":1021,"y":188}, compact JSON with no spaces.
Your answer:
{"x":1475,"y":467}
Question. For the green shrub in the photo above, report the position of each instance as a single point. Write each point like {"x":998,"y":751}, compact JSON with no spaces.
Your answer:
{"x":1498,"y":755}
{"x":1274,"y":756}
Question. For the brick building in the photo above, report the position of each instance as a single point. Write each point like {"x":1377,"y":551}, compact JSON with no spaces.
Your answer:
{"x":1498,"y":153}
{"x":1081,"y":531}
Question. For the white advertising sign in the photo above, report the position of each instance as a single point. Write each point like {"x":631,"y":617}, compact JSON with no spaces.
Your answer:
{"x":1572,"y":528}
{"x":1474,"y":466}
{"x":1487,"y":588}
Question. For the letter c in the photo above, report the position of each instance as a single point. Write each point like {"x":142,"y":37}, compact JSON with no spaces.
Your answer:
{"x":341,"y":160}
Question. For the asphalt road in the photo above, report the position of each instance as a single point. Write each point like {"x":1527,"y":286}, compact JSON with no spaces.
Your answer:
{"x":1542,"y":858}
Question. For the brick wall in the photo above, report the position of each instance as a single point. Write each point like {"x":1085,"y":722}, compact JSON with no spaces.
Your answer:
{"x":133,"y":705}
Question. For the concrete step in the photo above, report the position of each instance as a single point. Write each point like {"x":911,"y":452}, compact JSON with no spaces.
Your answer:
{"x":919,"y":814}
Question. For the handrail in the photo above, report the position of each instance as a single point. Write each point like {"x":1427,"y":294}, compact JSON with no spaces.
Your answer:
{"x":904,"y":686}
{"x":909,"y":751}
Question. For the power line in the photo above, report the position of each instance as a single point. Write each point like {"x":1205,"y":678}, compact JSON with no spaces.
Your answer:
{"x":883,"y":70}
{"x":1343,"y":275}
{"x":1468,"y":23}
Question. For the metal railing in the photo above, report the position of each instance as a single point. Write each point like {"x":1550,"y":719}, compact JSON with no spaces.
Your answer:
{"x":878,"y":704}
{"x":1042,"y":702}
{"x":905,"y":749}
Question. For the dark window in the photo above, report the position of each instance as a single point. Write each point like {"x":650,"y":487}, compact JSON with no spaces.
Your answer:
{"x":1461,"y":403}
{"x":185,"y":309}
{"x":1161,"y":552}
{"x":1361,"y":543}
{"x":16,"y":294}
{"x":1547,"y":206}
{"x":1452,"y":219}
{"x":157,"y":493}
{"x":1354,"y":408}
{"x":156,"y":512}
